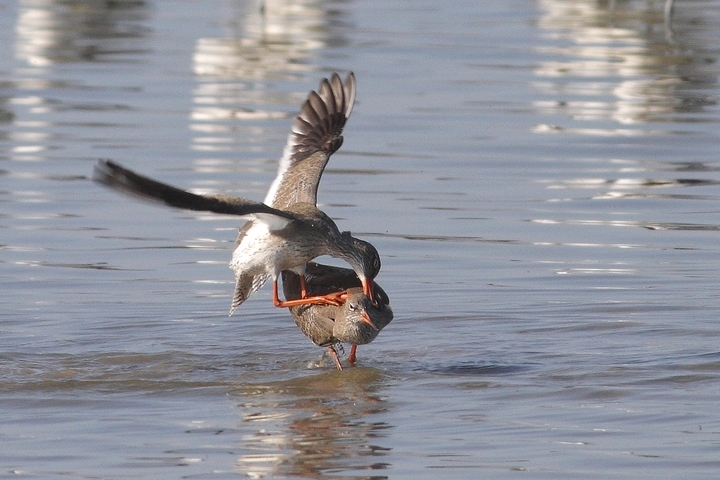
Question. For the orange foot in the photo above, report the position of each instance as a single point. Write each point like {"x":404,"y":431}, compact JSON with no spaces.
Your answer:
{"x":335,"y":299}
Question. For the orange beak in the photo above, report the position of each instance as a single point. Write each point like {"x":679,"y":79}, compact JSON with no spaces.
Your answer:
{"x":367,"y":290}
{"x":366,"y":319}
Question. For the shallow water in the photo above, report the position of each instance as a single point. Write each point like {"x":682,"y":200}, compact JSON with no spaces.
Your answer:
{"x":540,"y":178}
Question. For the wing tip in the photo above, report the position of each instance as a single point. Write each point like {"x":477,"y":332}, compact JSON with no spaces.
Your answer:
{"x":320,"y":122}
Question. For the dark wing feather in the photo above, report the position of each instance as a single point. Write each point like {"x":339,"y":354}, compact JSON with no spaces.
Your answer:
{"x":119,"y":178}
{"x":316,"y":134}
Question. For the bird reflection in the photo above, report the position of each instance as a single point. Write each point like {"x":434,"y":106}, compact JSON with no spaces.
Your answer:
{"x":308,"y":426}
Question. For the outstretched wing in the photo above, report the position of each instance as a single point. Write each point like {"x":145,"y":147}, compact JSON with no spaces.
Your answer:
{"x":119,"y":178}
{"x":316,"y":134}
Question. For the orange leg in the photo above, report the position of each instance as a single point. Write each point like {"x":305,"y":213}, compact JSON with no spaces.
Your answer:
{"x":352,"y":358}
{"x":333,"y":354}
{"x":303,"y":287}
{"x":336,"y":299}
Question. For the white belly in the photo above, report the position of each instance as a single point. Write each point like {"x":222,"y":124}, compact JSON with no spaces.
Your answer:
{"x":260,"y":252}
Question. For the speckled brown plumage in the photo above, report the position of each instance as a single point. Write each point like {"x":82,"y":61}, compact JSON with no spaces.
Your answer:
{"x":329,"y":325}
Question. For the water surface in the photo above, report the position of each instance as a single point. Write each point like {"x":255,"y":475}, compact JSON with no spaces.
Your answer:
{"x":542,"y":182}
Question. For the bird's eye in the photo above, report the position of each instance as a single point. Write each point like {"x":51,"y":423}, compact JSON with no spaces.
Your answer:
{"x":352,"y":307}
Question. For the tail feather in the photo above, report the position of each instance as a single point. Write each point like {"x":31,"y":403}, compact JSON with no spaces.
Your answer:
{"x":245,"y":286}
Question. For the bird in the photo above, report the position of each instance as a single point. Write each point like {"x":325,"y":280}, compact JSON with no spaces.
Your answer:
{"x":287,"y":230}
{"x":315,"y":135}
{"x":360,"y":318}
{"x":358,"y":321}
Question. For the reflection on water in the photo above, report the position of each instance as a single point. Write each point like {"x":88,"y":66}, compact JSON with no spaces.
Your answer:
{"x":612,"y":61}
{"x":612,"y":76}
{"x":630,"y":223}
{"x":235,"y":96}
{"x":50,"y":31}
{"x":636,"y":187}
{"x":309,"y":427}
{"x":50,"y":34}
{"x":268,"y":44}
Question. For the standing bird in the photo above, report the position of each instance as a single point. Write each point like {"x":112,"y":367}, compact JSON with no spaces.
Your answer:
{"x":293,"y":231}
{"x":358,"y":321}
